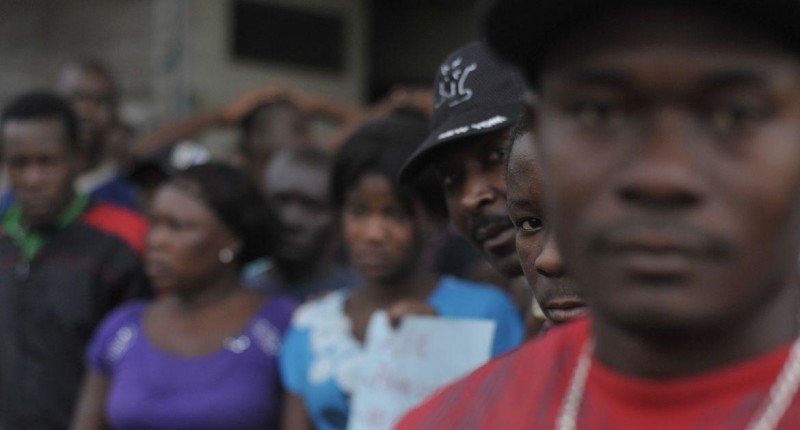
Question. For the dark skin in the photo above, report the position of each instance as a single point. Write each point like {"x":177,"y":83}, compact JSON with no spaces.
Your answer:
{"x":298,"y":192}
{"x":473,"y":175}
{"x":385,"y":243}
{"x":672,"y":156}
{"x":538,"y":253}
{"x":41,"y":167}
{"x":273,"y":128}
{"x":202,"y":302}
{"x":93,"y":97}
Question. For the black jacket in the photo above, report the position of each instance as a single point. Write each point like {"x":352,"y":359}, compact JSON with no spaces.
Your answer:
{"x":50,"y":305}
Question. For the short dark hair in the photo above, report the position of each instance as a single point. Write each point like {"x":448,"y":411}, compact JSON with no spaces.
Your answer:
{"x":247,"y":121}
{"x":98,"y":67}
{"x":237,"y":202}
{"x":381,"y":146}
{"x":38,"y":105}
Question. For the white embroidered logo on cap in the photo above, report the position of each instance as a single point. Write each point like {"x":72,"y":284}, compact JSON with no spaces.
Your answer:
{"x":452,"y":88}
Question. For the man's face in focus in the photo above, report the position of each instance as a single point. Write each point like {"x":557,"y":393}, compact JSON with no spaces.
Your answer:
{"x":538,"y":254}
{"x":473,"y":175}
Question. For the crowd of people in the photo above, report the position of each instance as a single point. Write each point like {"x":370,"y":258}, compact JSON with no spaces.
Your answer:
{"x":613,"y":185}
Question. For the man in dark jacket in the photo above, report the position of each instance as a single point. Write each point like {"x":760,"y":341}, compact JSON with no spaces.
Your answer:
{"x":65,"y":261}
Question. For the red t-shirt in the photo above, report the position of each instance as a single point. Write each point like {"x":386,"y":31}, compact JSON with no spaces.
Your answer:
{"x":525,"y":389}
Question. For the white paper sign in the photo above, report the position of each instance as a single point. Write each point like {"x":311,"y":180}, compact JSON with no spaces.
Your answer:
{"x":406,"y":365}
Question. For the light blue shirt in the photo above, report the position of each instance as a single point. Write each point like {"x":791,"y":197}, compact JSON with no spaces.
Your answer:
{"x":320,"y":359}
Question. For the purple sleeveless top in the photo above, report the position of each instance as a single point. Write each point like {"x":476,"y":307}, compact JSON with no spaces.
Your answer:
{"x":236,"y":387}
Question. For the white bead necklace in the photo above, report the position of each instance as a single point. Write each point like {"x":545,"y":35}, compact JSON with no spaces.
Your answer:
{"x":781,"y":393}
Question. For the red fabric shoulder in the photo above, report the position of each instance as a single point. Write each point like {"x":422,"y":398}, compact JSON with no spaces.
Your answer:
{"x":516,"y":390}
{"x":120,"y":222}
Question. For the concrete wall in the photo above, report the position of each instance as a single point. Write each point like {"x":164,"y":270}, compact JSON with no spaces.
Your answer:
{"x":38,"y":36}
{"x":217,"y":76}
{"x":171,"y":56}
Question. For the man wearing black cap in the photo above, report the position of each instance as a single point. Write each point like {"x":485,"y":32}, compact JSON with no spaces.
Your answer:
{"x":670,"y":137}
{"x":476,"y":100}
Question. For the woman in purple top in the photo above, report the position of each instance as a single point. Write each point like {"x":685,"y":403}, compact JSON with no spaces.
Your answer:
{"x":204,"y":355}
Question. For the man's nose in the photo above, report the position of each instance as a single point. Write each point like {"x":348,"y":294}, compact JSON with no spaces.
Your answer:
{"x":662,"y":169}
{"x":477,"y":191}
{"x":374,"y":228}
{"x":33,"y":175}
{"x":549,"y":262}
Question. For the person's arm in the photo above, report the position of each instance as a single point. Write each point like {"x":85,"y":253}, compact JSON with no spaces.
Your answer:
{"x":400,"y":98}
{"x":90,"y":411}
{"x":178,"y":130}
{"x":318,"y":107}
{"x":295,"y":415}
{"x":229,"y":115}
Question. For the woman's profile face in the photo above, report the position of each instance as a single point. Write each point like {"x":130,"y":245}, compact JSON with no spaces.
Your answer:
{"x":379,"y":231}
{"x":184,"y":241}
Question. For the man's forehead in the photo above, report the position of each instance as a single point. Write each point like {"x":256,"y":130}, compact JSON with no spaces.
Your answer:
{"x":34,"y":128}
{"x":650,"y":34}
{"x":522,"y":161}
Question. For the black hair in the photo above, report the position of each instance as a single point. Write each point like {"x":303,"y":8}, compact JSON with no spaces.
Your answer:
{"x":237,"y":202}
{"x":94,"y":65}
{"x":39,"y":105}
{"x":249,"y":119}
{"x":381,"y":146}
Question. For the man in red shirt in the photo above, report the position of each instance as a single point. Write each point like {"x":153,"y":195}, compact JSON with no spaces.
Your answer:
{"x":669,"y":133}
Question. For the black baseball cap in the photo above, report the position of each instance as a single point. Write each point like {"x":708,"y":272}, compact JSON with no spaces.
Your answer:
{"x":474,"y":93}
{"x":522,"y":31}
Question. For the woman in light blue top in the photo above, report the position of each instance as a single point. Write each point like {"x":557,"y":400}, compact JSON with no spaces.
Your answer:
{"x":386,"y":230}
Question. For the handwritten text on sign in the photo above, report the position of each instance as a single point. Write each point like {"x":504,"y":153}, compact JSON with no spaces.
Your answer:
{"x":406,"y":365}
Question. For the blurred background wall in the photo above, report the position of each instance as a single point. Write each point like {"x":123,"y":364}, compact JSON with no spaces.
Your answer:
{"x":173,"y":57}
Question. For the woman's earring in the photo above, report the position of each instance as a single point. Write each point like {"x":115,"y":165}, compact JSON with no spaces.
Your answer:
{"x":225,"y":255}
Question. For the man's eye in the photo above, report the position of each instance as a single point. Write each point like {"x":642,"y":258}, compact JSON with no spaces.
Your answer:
{"x":530,"y":225}
{"x":735,"y":117}
{"x":16,"y":163}
{"x":595,"y":114}
{"x":448,"y":179}
{"x":397,"y":214}
{"x":498,"y":155}
{"x":357,"y":210}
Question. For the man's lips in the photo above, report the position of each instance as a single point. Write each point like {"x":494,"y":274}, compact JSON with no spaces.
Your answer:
{"x":658,"y":253}
{"x":565,"y":309}
{"x":368,"y":257}
{"x":657,"y":242}
{"x":156,"y":267}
